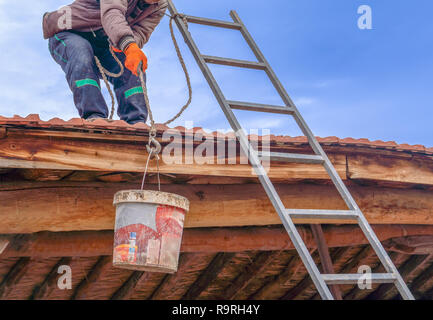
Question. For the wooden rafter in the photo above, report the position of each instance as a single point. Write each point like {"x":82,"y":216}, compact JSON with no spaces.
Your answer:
{"x":275,"y":283}
{"x":14,"y":275}
{"x":260,"y":263}
{"x":421,"y":280}
{"x":171,"y":281}
{"x":128,"y":287}
{"x":82,"y":290}
{"x":385,"y":291}
{"x":208,"y":275}
{"x":355,"y":292}
{"x":307,"y":282}
{"x":43,"y":290}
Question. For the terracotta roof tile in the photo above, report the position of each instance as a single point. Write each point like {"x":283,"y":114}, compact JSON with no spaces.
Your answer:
{"x":33,"y":120}
{"x":328,"y":140}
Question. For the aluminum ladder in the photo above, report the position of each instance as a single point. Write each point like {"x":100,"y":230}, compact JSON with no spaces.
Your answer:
{"x":321,"y":281}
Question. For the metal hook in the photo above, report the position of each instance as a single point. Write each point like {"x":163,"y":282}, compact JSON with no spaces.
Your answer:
{"x":156,"y":148}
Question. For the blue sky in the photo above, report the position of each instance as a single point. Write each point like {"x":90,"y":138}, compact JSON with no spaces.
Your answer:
{"x":346,"y":82}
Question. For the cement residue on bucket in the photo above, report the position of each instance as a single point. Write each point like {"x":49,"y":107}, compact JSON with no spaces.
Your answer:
{"x":148,"y":230}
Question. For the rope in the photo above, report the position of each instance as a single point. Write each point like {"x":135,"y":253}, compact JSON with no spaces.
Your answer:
{"x":182,"y":62}
{"x":104,"y":72}
{"x":157,"y":170}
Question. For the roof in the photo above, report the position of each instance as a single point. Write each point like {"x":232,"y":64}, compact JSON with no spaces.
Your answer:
{"x":34,"y":121}
{"x":58,"y":178}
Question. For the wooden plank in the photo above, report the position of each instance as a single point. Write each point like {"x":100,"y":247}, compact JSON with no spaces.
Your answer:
{"x":380,"y":168}
{"x":207,"y":240}
{"x":90,"y":208}
{"x":39,"y":152}
{"x":208,"y":275}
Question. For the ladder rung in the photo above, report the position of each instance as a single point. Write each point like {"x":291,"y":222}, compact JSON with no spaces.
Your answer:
{"x":213,"y":23}
{"x":355,"y":277}
{"x":322,"y":214}
{"x":235,"y":62}
{"x":260,"y":107}
{"x":292,"y":157}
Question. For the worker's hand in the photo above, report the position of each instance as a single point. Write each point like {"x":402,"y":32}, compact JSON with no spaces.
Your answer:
{"x":134,"y":56}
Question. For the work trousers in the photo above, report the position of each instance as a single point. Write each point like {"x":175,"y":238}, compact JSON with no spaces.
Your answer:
{"x":75,"y":52}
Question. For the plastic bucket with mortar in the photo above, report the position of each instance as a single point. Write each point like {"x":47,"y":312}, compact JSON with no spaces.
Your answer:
{"x":148,"y":230}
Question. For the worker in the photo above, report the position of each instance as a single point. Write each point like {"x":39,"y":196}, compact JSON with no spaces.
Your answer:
{"x":86,"y":28}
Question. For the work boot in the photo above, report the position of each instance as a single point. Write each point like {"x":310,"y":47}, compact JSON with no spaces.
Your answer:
{"x":94,"y":117}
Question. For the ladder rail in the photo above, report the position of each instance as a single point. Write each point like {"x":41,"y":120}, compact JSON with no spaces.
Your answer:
{"x":254,"y":158}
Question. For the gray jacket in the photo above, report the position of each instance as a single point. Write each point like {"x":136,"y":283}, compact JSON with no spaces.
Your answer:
{"x":124,"y":21}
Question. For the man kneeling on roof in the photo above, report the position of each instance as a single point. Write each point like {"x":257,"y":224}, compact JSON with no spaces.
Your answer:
{"x":94,"y":25}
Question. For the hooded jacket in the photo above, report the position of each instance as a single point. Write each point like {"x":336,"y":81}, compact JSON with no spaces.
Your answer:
{"x":124,"y":21}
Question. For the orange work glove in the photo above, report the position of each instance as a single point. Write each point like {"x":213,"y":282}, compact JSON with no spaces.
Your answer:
{"x":134,"y":56}
{"x":116,"y":50}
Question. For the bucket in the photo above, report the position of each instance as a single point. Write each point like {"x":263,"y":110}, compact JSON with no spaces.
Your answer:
{"x":148,"y":230}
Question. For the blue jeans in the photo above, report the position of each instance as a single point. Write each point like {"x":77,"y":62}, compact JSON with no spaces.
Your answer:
{"x":75,"y":54}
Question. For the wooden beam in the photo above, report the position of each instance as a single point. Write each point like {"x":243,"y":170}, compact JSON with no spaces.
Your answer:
{"x":50,"y":149}
{"x":208,"y":275}
{"x":64,"y":153}
{"x":128,"y":287}
{"x":325,"y":257}
{"x":414,"y":170}
{"x":103,"y":264}
{"x":14,"y":275}
{"x":90,"y":208}
{"x":207,"y":240}
{"x":43,"y":290}
{"x":260,"y":263}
